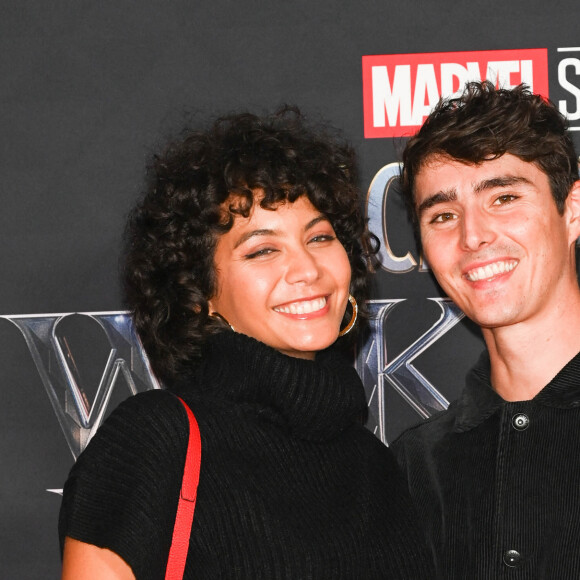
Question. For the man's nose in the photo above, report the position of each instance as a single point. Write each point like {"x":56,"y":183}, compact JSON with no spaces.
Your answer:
{"x":476,"y":230}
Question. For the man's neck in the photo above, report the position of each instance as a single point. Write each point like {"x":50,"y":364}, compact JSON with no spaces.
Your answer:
{"x":526,"y":356}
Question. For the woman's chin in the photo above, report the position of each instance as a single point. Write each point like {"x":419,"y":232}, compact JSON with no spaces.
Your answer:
{"x":307,"y":349}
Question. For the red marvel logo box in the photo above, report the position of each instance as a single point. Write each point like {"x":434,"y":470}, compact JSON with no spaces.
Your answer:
{"x":399,"y":90}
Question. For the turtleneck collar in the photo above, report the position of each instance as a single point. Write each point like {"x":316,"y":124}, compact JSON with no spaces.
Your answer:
{"x":316,"y":400}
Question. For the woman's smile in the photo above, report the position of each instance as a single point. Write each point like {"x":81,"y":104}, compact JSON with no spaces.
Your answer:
{"x":304,"y":308}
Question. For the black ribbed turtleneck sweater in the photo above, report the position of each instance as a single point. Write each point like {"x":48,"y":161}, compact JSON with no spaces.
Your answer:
{"x":292,"y":485}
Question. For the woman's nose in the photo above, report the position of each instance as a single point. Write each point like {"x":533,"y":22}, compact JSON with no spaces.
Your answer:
{"x":302,"y":267}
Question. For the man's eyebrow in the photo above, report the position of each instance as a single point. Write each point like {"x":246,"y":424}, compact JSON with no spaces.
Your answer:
{"x":484,"y":185}
{"x":436,"y":198}
{"x":500,"y":181}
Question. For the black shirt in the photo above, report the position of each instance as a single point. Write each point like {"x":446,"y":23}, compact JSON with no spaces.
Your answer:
{"x":497,"y":484}
{"x":292,"y":486}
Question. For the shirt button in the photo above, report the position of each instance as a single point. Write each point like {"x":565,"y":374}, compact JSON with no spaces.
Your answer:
{"x":512,"y":558}
{"x":520,"y":422}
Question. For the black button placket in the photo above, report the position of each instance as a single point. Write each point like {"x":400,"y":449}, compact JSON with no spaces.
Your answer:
{"x":515,"y":421}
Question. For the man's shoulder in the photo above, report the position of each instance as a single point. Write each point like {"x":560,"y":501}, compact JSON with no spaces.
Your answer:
{"x":420,"y":441}
{"x":431,"y":429}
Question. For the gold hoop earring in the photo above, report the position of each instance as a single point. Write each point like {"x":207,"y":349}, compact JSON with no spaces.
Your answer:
{"x":352,"y":322}
{"x":218,"y":316}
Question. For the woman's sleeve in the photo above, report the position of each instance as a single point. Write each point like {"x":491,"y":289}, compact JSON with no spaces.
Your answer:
{"x":122,"y":492}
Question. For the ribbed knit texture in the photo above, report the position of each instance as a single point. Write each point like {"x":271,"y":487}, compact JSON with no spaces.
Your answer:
{"x":292,"y":485}
{"x":485,"y":481}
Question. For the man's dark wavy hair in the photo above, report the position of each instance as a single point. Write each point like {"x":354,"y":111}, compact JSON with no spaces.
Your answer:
{"x":484,"y":123}
{"x":169,"y":272}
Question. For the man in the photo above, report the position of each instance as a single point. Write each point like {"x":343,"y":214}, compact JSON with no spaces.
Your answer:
{"x":492,"y":183}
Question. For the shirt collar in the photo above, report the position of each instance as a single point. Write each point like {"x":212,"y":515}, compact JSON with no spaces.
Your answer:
{"x":478,"y":401}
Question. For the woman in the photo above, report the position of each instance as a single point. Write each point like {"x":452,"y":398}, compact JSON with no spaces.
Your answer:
{"x":242,"y":258}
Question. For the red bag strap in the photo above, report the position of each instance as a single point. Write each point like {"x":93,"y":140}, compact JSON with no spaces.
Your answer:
{"x":186,"y":505}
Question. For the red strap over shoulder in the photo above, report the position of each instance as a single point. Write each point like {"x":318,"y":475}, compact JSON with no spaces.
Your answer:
{"x":186,"y":505}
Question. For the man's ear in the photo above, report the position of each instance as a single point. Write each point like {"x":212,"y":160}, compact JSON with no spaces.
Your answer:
{"x":572,"y":211}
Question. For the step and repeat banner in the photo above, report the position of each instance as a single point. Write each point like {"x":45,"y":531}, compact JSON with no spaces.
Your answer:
{"x":90,"y":90}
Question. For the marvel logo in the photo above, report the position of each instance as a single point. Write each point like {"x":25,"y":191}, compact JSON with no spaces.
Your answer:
{"x":399,"y":91}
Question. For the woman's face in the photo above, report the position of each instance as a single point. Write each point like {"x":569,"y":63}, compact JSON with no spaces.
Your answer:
{"x":283,"y":278}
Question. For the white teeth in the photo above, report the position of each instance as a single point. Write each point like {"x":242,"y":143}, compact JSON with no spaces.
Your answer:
{"x":491,"y":270}
{"x":305,"y":307}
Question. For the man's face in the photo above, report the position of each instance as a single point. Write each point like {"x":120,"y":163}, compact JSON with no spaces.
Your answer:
{"x":494,"y":238}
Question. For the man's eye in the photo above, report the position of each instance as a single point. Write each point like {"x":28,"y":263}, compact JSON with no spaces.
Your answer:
{"x":443,"y":217}
{"x":506,"y":198}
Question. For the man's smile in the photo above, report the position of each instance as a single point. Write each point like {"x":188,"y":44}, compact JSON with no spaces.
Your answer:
{"x":491,"y":270}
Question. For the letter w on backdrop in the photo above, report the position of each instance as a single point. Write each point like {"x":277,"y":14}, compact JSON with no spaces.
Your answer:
{"x":80,"y":406}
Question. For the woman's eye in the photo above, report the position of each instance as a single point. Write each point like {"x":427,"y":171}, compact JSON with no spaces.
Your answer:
{"x":260,"y":253}
{"x":323,"y":238}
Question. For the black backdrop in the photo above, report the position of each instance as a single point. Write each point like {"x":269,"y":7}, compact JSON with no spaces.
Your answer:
{"x":89,"y":89}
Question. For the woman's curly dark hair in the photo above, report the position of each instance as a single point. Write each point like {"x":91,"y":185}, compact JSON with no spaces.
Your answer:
{"x":169,"y":272}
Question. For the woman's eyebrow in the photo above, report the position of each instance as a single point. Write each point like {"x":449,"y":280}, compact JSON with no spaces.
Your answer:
{"x":245,"y":237}
{"x":316,"y":220}
{"x":269,"y":232}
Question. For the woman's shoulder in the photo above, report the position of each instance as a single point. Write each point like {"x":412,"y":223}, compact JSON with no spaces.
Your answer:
{"x":160,"y":408}
{"x":150,"y":402}
{"x":156,"y":409}
{"x":146,"y":430}
{"x":122,"y":491}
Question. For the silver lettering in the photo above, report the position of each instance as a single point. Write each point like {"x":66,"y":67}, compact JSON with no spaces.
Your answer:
{"x":376,"y":211}
{"x":378,"y":373}
{"x":78,"y":417}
